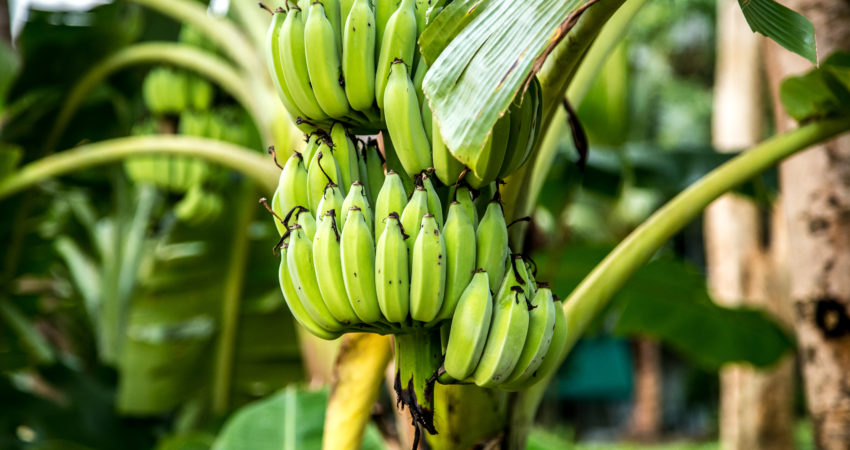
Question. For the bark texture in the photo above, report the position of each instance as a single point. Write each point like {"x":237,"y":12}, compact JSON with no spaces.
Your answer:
{"x":755,"y":406}
{"x":816,"y":191}
{"x":645,"y":422}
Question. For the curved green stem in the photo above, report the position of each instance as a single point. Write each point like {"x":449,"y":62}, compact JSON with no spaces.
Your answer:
{"x":204,"y":63}
{"x":594,"y":292}
{"x":254,"y":165}
{"x":222,"y":31}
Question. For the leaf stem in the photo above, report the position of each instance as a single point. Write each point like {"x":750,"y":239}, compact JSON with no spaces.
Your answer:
{"x":252,"y":164}
{"x":597,"y":288}
{"x":204,"y":63}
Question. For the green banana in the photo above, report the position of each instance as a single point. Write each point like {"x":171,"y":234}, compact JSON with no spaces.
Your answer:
{"x":323,"y":64}
{"x":299,"y":261}
{"x":463,"y":195}
{"x":372,"y":170}
{"x":446,"y":166}
{"x":313,"y":142}
{"x":393,"y":163}
{"x":358,"y":266}
{"x":275,"y":65}
{"x":323,"y":170}
{"x":492,"y":243}
{"x":404,"y":121}
{"x":345,"y":9}
{"x":411,"y":217}
{"x":293,"y":61}
{"x":384,"y":9}
{"x":304,"y":218}
{"x":460,"y":257}
{"x":552,"y":359}
{"x":358,"y":56}
{"x":469,"y":327}
{"x":507,"y":334}
{"x":333,"y":12}
{"x":392,"y":281}
{"x":291,"y":188}
{"x":345,"y":154}
{"x":428,"y":271}
{"x":541,"y":328}
{"x":293,"y":301}
{"x":435,"y":207}
{"x":332,"y":200}
{"x":486,"y":166}
{"x":327,"y":263}
{"x":398,"y":42}
{"x":198,"y":207}
{"x":524,"y":123}
{"x":392,"y":198}
{"x":357,"y":197}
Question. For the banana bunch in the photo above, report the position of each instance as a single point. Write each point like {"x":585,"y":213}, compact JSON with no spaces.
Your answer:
{"x":358,"y":257}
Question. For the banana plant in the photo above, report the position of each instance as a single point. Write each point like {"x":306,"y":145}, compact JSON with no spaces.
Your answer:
{"x":568,"y":44}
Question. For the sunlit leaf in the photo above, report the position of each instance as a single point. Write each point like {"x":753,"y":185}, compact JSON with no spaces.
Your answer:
{"x":477,"y":75}
{"x":785,"y":26}
{"x":822,"y":92}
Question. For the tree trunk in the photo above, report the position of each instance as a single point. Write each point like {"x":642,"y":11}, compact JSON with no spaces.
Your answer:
{"x":816,"y":194}
{"x":755,"y":406}
{"x":645,"y":422}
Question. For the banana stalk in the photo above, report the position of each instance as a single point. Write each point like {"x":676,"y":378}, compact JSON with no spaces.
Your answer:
{"x":418,"y":358}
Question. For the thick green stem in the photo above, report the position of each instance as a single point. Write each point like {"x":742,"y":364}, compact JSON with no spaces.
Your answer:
{"x":252,"y":164}
{"x":222,"y":31}
{"x":594,"y":292}
{"x":204,"y":63}
{"x":229,"y":320}
{"x":417,"y":358}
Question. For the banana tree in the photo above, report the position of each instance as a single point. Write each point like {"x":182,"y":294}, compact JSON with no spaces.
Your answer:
{"x":479,"y":56}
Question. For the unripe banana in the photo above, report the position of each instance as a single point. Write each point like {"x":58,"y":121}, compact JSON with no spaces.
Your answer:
{"x":323,"y":63}
{"x":293,"y":61}
{"x":393,"y":162}
{"x":391,"y":198}
{"x":371,"y":169}
{"x":460,"y":257}
{"x":541,"y":328}
{"x":345,"y":154}
{"x":313,"y":142}
{"x":332,"y":200}
{"x":323,"y":170}
{"x":489,"y":161}
{"x":428,"y":272}
{"x":299,"y":261}
{"x":506,"y":337}
{"x":384,"y":9}
{"x":492,"y":243}
{"x":293,"y":301}
{"x":392,"y":281}
{"x":358,"y":267}
{"x":404,"y":121}
{"x":345,"y":9}
{"x":524,"y":124}
{"x":333,"y":12}
{"x":327,"y":263}
{"x":411,"y":217}
{"x":358,"y":56}
{"x":291,"y":188}
{"x":435,"y":207}
{"x":275,"y":64}
{"x":357,"y":197}
{"x":446,"y":166}
{"x":552,"y":359}
{"x":304,"y":218}
{"x":463,"y":195}
{"x":398,"y":42}
{"x":469,"y":327}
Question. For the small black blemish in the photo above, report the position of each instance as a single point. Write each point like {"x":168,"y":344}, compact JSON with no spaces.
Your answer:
{"x":355,"y":274}
{"x":436,"y":232}
{"x":831,"y":318}
{"x":341,"y":80}
{"x":391,"y":281}
{"x":817,"y":225}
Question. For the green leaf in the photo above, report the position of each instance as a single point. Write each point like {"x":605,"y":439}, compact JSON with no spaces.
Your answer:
{"x":822,"y":92}
{"x":289,"y":420}
{"x":10,"y":65}
{"x":10,"y":156}
{"x":451,"y":21}
{"x":667,"y":299}
{"x":786,"y":27}
{"x":480,"y":71}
